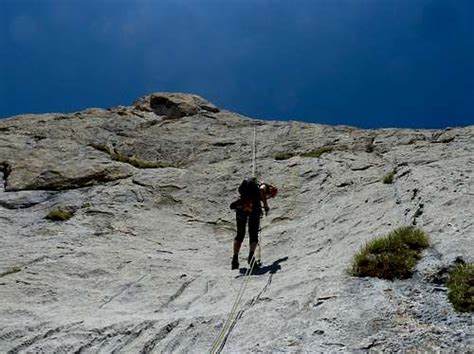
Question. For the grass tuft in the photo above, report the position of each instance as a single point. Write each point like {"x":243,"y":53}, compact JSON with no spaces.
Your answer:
{"x":59,"y":215}
{"x":101,"y":147}
{"x":318,"y":152}
{"x":313,"y":153}
{"x":132,"y":160}
{"x":11,"y":270}
{"x":388,"y":178}
{"x":461,"y":287}
{"x":391,"y":257}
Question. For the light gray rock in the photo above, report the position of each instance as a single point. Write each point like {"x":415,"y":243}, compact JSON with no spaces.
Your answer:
{"x":23,"y":199}
{"x":56,"y":165}
{"x":144,"y":263}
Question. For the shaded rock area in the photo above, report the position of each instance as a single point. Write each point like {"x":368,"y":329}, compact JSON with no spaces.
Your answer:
{"x":174,"y":105}
{"x":143,"y":265}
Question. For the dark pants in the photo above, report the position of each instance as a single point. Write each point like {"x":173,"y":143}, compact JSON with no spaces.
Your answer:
{"x":254,"y":223}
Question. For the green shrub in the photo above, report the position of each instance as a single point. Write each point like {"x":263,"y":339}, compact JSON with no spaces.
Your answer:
{"x":313,"y":153}
{"x":283,"y":156}
{"x":10,"y":270}
{"x":461,"y":287}
{"x":388,"y":178}
{"x":392,"y":256}
{"x":318,"y":152}
{"x":59,"y":214}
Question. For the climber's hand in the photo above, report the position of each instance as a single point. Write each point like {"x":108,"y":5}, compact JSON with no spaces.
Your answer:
{"x":267,"y":210}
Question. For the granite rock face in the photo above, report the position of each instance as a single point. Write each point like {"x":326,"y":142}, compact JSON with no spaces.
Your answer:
{"x":144,"y":263}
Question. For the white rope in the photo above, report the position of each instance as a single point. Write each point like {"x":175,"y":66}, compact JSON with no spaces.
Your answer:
{"x":221,"y":339}
{"x":254,"y":171}
{"x":259,"y":247}
{"x":254,"y":152}
{"x":218,"y":344}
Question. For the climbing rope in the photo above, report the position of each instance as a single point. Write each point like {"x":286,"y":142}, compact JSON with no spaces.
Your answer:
{"x":254,"y":175}
{"x":220,"y":341}
{"x":259,"y":248}
{"x":254,"y":152}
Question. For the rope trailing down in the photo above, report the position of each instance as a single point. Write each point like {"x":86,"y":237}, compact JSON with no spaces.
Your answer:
{"x":220,"y":341}
{"x":219,"y":344}
{"x":254,"y":153}
{"x":254,"y":175}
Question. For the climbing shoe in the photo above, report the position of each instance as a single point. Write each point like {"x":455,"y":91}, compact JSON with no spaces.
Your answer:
{"x":251,"y":259}
{"x":235,"y":262}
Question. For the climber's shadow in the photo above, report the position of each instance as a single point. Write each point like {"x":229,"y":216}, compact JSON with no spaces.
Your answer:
{"x":271,"y":268}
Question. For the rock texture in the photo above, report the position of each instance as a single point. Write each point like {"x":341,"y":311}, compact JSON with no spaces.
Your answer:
{"x":144,"y":263}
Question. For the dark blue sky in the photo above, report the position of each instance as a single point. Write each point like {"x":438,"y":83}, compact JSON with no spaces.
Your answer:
{"x":368,"y":63}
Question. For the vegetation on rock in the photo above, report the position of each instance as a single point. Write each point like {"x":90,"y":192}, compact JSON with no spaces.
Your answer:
{"x":59,"y":214}
{"x":392,"y":256}
{"x":461,"y":287}
{"x":312,"y":153}
{"x":10,"y":270}
{"x":317,"y":152}
{"x":388,"y":178}
{"x":132,"y":160}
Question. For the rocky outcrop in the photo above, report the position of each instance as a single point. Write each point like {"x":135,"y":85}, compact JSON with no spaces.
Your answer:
{"x":143,"y":265}
{"x":24,"y":199}
{"x":56,"y":165}
{"x":174,"y":105}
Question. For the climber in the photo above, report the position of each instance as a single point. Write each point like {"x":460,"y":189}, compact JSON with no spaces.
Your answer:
{"x":249,"y":209}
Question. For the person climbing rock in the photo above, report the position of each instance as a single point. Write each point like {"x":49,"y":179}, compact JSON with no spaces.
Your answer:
{"x":248,"y":209}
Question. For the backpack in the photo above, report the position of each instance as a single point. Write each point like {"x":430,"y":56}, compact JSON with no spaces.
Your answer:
{"x":249,"y":201}
{"x":249,"y":189}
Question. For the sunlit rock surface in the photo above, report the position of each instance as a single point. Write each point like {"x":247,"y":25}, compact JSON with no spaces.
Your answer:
{"x":144,"y":263}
